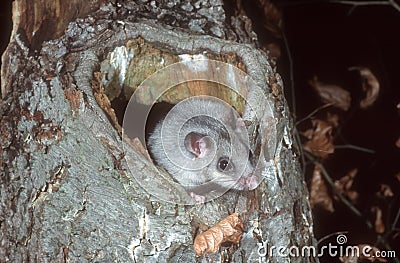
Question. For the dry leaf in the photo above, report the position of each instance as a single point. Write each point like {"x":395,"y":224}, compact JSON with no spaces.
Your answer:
{"x":229,"y":229}
{"x":333,"y":119}
{"x":379,"y":225}
{"x":385,"y":191}
{"x":320,"y":141}
{"x":319,"y":193}
{"x":398,"y":143}
{"x":370,"y":86}
{"x":349,"y":259}
{"x":330,"y":93}
{"x":272,"y":17}
{"x":274,"y":50}
{"x":370,"y":250}
{"x":345,"y":184}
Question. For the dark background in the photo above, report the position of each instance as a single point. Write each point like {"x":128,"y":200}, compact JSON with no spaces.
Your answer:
{"x":325,"y":39}
{"x":5,"y":22}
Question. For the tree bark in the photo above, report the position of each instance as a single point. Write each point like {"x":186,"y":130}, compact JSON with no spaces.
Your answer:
{"x":68,"y":190}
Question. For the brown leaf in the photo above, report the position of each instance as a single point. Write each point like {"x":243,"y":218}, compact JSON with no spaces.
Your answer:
{"x":345,"y":184}
{"x":333,"y":119}
{"x":370,"y":254}
{"x":274,"y":50}
{"x":308,"y":134}
{"x":320,"y":141}
{"x":398,"y":143}
{"x":319,"y":193}
{"x":272,"y":17}
{"x":385,"y":191}
{"x":379,"y":225}
{"x":370,"y":86}
{"x":330,"y":93}
{"x":229,"y":229}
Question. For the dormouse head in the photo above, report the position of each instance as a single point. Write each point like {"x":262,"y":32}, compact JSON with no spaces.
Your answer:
{"x":205,"y":142}
{"x":221,"y":147}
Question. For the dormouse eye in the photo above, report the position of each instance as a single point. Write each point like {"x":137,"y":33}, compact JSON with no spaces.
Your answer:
{"x":223,"y":164}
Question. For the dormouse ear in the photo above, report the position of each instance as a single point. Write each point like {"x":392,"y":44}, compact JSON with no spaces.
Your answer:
{"x":240,"y":124}
{"x":198,"y":144}
{"x":235,"y":120}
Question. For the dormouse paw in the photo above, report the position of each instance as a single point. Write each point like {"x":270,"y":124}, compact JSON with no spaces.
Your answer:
{"x":198,"y":198}
{"x":249,"y":182}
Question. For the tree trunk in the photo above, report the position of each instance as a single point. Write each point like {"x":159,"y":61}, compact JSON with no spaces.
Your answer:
{"x":73,"y":189}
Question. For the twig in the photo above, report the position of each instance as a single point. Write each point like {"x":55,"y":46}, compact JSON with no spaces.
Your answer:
{"x":338,"y":193}
{"x":303,"y":160}
{"x":314,"y":112}
{"x":291,"y":72}
{"x":354,"y":147}
{"x":396,"y":219}
{"x":391,"y":3}
{"x":328,"y":236}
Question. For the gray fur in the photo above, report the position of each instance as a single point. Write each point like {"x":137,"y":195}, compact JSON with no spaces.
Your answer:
{"x":222,"y":132}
